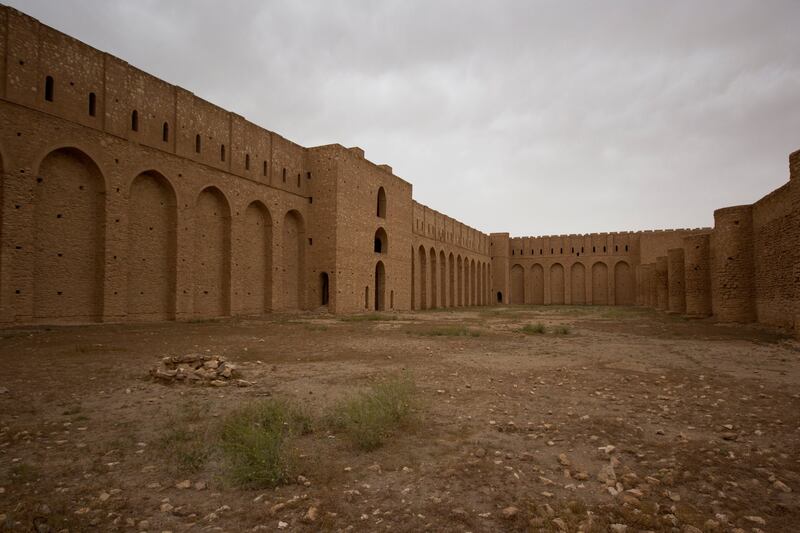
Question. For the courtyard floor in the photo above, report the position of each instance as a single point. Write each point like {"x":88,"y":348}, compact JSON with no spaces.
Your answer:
{"x":612,"y":417}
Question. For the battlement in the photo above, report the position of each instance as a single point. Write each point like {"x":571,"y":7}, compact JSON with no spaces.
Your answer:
{"x":435,"y":225}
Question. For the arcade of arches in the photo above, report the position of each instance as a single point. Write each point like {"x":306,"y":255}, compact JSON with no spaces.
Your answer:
{"x":584,"y":284}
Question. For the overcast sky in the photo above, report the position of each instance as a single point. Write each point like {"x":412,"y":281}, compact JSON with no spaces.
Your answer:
{"x":533,"y":117}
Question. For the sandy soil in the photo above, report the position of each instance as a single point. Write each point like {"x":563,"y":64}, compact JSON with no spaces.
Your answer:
{"x":512,"y":432}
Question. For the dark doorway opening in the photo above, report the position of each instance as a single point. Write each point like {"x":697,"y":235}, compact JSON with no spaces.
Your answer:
{"x":380,"y":285}
{"x":324,"y":287}
{"x":499,"y":297}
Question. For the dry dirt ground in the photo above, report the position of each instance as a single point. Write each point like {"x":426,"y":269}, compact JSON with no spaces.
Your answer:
{"x":633,"y":418}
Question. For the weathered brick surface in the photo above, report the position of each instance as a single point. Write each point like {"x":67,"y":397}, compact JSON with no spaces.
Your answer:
{"x":676,"y":279}
{"x":697,"y":270}
{"x":732,"y":275}
{"x":124,"y":197}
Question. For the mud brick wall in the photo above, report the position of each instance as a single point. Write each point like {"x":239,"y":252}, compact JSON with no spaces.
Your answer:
{"x":125,"y":197}
{"x":697,"y":274}
{"x":676,"y":279}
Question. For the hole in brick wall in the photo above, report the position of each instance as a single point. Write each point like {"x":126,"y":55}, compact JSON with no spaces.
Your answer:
{"x":247,"y":161}
{"x":308,"y":175}
{"x":17,"y":291}
{"x":626,"y":247}
{"x":616,"y":248}
{"x":21,"y":62}
{"x":19,"y":134}
{"x":310,"y":241}
{"x":197,"y":143}
{"x":311,"y":199}
{"x":222,"y":152}
{"x":17,"y":206}
{"x":92,"y":104}
{"x":49,"y":88}
{"x":59,"y":215}
{"x":134,"y":120}
{"x":165,"y":132}
{"x":298,"y":180}
{"x":604,"y":248}
{"x":264,"y":170}
{"x":284,"y":175}
{"x":58,"y":292}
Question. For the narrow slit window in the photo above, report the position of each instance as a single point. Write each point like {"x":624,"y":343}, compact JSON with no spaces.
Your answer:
{"x":264,"y":170}
{"x":222,"y":152}
{"x":92,"y":104}
{"x":298,"y":181}
{"x":284,"y":175}
{"x":247,"y":161}
{"x":165,"y":132}
{"x":49,"y":88}
{"x":135,"y":120}
{"x":197,"y":143}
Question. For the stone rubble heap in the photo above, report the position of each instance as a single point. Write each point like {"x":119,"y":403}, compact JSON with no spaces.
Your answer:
{"x":200,"y":369}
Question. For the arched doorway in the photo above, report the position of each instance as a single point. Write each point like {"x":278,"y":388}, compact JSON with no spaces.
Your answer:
{"x":537,"y":284}
{"x":324,"y":287}
{"x":578,"y":284}
{"x":623,"y":284}
{"x":557,"y":284}
{"x":380,"y":286}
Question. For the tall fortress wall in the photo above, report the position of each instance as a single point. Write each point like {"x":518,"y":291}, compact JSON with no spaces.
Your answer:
{"x":126,"y":198}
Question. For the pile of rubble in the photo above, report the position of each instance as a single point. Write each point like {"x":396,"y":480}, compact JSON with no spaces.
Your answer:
{"x":197,"y":368}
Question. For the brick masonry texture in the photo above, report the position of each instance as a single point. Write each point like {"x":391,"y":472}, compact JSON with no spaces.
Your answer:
{"x":126,"y":198}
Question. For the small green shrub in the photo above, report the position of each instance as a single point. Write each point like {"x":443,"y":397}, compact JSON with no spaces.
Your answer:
{"x":256,"y":443}
{"x":371,"y":416}
{"x":561,"y":330}
{"x":533,"y":329}
{"x":185,"y":439}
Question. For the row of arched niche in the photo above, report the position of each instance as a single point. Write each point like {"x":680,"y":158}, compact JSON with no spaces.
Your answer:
{"x":166,"y":250}
{"x":582,"y":284}
{"x":447,"y":280}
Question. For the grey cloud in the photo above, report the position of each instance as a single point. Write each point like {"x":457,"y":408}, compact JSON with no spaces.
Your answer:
{"x":530,"y":117}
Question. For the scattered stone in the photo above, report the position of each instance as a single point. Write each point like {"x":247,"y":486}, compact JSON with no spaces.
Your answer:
{"x":185,"y":484}
{"x":311,"y":515}
{"x":691,"y":529}
{"x":282,"y":524}
{"x":781,"y":486}
{"x":618,"y":528}
{"x":560,"y":524}
{"x":200,"y":485}
{"x":756,"y":520}
{"x":509,"y":512}
{"x":213,"y":370}
{"x":563,"y":460}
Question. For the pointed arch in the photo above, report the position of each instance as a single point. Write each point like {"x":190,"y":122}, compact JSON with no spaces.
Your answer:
{"x":381,"y":242}
{"x":212,"y":254}
{"x":460,"y":284}
{"x":380,"y":286}
{"x":69,"y":237}
{"x":152,"y":248}
{"x":578,"y":284}
{"x":451,"y":267}
{"x":517,"y":285}
{"x":599,"y":283}
{"x":442,"y":279}
{"x":537,"y":284}
{"x":293,"y":246}
{"x":434,"y":302}
{"x":381,"y":203}
{"x":557,"y":284}
{"x":257,"y":259}
{"x":423,"y":278}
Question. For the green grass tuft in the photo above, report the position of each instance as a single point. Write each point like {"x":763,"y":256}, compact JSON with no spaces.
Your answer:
{"x":255,"y":441}
{"x":561,"y":330}
{"x":370,"y":417}
{"x":533,"y":329}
